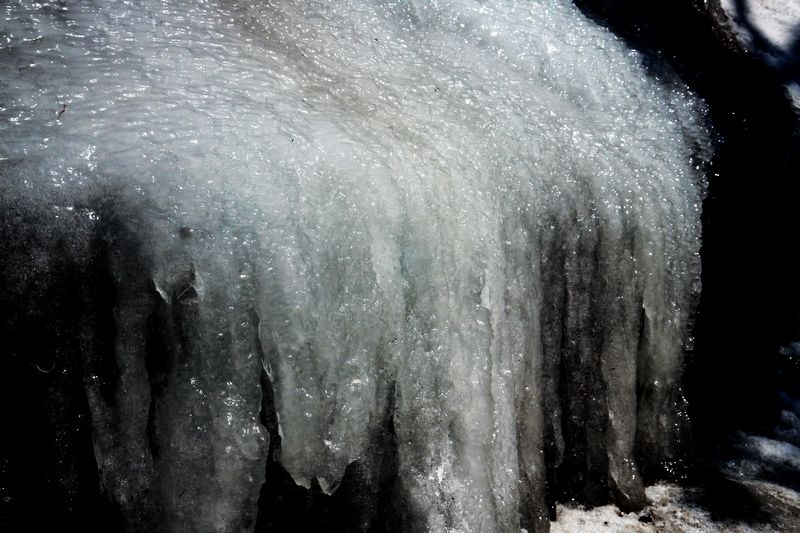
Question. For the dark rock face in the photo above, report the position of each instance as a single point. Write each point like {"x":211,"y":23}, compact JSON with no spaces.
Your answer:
{"x":49,"y":473}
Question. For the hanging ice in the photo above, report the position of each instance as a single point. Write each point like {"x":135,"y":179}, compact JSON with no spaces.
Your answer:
{"x":477,"y":224}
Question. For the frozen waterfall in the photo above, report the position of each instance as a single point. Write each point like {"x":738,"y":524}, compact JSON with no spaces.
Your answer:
{"x":448,"y":250}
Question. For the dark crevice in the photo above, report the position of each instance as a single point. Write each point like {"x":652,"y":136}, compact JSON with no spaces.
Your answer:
{"x":556,"y":376}
{"x":364,"y":500}
{"x":157,"y":364}
{"x":582,"y":474}
{"x":49,"y":478}
{"x":268,"y":415}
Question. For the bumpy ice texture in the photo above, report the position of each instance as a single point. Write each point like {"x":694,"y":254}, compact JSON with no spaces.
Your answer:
{"x":291,"y":226}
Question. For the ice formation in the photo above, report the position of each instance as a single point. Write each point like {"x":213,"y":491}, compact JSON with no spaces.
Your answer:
{"x":294,"y":227}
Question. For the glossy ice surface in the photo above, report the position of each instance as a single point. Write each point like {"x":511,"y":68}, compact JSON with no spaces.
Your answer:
{"x":478,"y":220}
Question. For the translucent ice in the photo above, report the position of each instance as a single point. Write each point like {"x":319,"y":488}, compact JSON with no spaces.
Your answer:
{"x":480,"y":220}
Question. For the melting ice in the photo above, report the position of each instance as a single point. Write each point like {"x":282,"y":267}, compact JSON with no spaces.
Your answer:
{"x":295,"y":225}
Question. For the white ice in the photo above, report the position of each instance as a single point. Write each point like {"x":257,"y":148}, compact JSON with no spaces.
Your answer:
{"x":391,"y":187}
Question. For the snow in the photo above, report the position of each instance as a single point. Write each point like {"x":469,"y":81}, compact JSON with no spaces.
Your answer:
{"x":776,"y":20}
{"x":673,"y":509}
{"x":771,"y":28}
